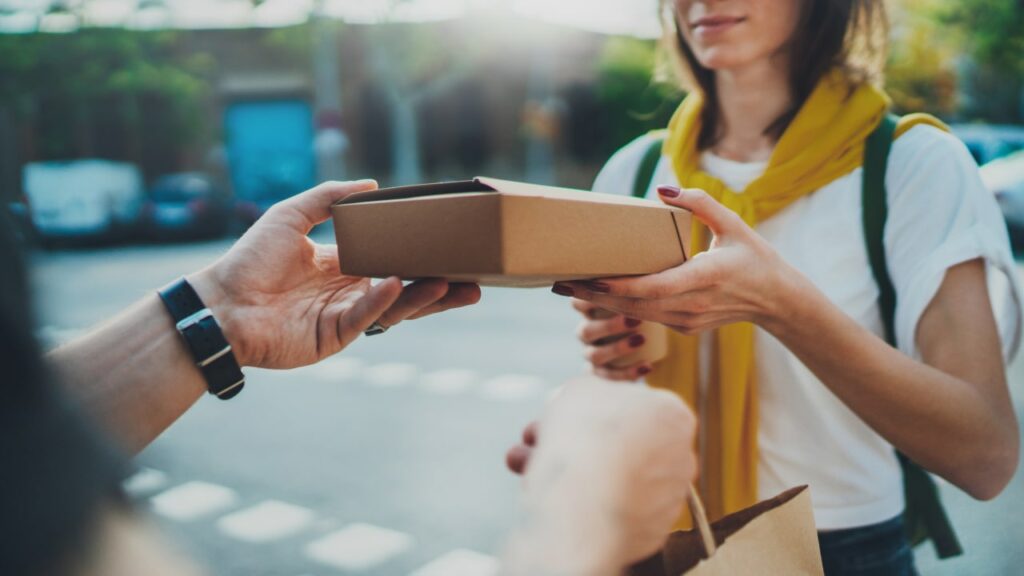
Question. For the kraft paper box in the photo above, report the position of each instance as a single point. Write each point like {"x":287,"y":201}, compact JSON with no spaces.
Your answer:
{"x":500,"y":233}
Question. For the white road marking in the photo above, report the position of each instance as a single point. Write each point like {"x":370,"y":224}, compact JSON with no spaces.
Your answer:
{"x":267,"y":521}
{"x":390,"y":375}
{"x":448,"y":382}
{"x":144,"y":482}
{"x":193,"y":500}
{"x":460,"y":563}
{"x":512,"y":387}
{"x":359,"y":547}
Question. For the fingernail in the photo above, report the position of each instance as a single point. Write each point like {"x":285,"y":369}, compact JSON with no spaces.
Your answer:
{"x":636,"y":340}
{"x":633,"y":322}
{"x":599,"y":287}
{"x":643,"y":370}
{"x":668,"y":191}
{"x":563,"y":290}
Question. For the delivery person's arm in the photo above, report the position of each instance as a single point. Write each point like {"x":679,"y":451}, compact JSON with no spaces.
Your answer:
{"x":280,"y":301}
{"x":951,"y":412}
{"x":605,"y":482}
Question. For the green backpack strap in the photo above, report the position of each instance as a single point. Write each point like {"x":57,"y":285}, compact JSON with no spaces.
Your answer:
{"x":924,"y":518}
{"x":645,"y":173}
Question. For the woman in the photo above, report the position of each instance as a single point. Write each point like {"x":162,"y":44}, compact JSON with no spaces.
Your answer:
{"x":786,"y":336}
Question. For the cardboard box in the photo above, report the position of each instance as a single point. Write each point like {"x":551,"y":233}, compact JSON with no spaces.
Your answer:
{"x":500,"y":233}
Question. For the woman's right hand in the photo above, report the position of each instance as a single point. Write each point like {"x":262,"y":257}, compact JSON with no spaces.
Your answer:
{"x":608,"y":338}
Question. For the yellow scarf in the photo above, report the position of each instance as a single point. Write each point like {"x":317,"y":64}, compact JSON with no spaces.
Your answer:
{"x":824,"y":142}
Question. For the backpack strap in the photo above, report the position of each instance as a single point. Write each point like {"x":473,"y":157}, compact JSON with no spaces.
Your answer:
{"x":924,"y":517}
{"x":645,"y":173}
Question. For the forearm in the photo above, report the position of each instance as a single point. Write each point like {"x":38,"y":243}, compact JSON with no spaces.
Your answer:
{"x":943,"y":422}
{"x":133,"y":374}
{"x":555,"y":537}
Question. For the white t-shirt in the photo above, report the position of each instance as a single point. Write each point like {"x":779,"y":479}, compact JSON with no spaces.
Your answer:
{"x":940,"y":215}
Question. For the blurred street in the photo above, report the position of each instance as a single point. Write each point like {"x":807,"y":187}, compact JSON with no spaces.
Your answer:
{"x":388,"y":459}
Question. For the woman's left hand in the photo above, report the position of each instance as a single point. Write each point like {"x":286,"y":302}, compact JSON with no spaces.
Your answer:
{"x":740,"y":278}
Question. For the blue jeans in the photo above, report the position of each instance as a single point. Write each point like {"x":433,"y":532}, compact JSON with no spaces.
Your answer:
{"x":876,"y":550}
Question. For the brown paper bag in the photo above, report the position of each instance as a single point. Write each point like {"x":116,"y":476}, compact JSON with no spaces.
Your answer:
{"x":776,"y":536}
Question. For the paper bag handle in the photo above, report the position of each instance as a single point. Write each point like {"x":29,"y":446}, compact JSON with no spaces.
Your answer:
{"x":700,"y":520}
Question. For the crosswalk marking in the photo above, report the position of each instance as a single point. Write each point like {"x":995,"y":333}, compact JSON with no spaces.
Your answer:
{"x":460,"y":563}
{"x":359,"y":547}
{"x":448,"y":382}
{"x":193,"y":500}
{"x":267,"y":521}
{"x":512,"y":387}
{"x":390,"y":375}
{"x":144,"y":482}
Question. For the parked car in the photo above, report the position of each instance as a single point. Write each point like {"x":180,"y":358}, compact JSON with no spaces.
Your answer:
{"x":1005,"y":178}
{"x":187,"y":205}
{"x":987,"y":142}
{"x":83,"y":199}
{"x":21,"y":220}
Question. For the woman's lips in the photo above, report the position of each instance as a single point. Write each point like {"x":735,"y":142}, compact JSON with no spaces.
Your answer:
{"x":715,"y":24}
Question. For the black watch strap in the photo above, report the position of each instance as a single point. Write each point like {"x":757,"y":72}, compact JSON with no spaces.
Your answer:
{"x":204,"y":338}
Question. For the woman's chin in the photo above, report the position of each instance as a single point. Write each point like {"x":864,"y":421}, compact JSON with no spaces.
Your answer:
{"x":725,"y":58}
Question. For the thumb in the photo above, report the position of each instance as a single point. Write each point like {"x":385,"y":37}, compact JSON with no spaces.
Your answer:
{"x":719,"y":219}
{"x":314,"y":206}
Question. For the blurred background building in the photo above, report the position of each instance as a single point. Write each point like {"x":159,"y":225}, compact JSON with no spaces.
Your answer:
{"x":264,"y":98}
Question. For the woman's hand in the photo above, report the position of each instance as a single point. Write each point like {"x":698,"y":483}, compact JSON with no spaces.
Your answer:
{"x":608,"y":338}
{"x":282,"y":301}
{"x":740,"y":278}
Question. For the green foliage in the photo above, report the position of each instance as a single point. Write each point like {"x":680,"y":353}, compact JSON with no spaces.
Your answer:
{"x":921,"y":74}
{"x":85,"y":72}
{"x":992,"y":30}
{"x":632,"y":101}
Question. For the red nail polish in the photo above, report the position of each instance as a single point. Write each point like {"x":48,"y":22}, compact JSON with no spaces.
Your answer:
{"x":599,"y":287}
{"x":633,"y":323}
{"x":636,"y":340}
{"x":563,"y":290}
{"x":668,"y":191}
{"x":643,"y":371}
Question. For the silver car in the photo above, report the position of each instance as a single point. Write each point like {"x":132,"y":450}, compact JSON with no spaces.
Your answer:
{"x":1005,"y":178}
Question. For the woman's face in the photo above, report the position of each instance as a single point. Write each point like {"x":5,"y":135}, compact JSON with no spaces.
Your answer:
{"x":729,"y":34}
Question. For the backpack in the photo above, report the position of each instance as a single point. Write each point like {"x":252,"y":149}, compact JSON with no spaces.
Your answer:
{"x":925,"y":517}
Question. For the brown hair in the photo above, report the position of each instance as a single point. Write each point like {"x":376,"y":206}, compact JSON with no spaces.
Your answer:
{"x":851,"y":35}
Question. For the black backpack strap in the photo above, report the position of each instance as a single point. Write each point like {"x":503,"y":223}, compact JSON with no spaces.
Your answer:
{"x":924,"y":517}
{"x":645,"y":173}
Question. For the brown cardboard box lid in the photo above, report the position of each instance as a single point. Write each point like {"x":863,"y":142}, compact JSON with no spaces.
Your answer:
{"x":485,"y":185}
{"x":504,"y":233}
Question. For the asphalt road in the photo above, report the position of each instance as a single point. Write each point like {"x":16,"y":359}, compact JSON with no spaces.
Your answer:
{"x":388,"y":459}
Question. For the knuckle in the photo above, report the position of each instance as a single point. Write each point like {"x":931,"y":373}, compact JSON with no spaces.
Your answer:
{"x":662,"y":290}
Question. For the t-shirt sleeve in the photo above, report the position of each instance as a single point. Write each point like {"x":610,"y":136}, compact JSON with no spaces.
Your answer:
{"x":941,"y":215}
{"x":619,"y":172}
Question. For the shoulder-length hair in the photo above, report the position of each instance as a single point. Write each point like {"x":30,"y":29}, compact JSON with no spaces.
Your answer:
{"x":851,"y":35}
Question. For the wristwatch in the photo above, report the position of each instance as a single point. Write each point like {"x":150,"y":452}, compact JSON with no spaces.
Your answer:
{"x":204,"y":339}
